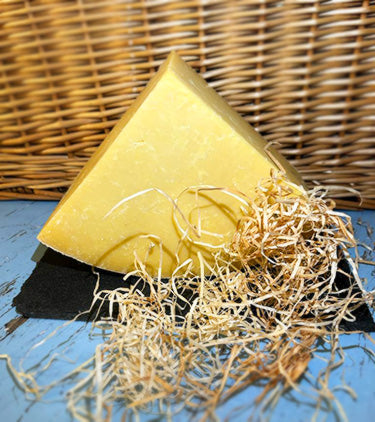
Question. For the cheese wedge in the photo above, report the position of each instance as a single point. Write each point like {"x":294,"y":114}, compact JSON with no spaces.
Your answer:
{"x":178,"y":133}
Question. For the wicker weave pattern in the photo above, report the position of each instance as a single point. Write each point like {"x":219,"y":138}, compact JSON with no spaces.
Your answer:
{"x":302,"y":72}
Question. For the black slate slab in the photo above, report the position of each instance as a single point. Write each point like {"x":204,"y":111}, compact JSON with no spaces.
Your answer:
{"x":61,"y":287}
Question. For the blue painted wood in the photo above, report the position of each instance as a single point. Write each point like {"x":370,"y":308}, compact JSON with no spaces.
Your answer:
{"x":20,"y":222}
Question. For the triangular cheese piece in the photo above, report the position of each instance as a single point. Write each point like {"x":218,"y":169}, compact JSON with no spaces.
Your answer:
{"x":178,"y":133}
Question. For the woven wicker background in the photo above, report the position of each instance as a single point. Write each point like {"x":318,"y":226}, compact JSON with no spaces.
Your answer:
{"x":302,"y":72}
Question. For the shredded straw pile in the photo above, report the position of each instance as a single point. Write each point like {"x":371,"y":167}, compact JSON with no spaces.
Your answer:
{"x":193,"y":342}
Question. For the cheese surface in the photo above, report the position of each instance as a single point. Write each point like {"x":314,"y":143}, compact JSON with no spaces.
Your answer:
{"x":178,"y":133}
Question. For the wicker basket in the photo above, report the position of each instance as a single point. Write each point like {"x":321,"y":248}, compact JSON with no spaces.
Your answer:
{"x":302,"y":72}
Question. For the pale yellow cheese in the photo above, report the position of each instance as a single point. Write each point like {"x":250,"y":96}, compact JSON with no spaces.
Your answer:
{"x":178,"y":133}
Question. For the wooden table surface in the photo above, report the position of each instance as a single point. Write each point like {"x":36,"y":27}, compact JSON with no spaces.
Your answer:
{"x":20,"y":222}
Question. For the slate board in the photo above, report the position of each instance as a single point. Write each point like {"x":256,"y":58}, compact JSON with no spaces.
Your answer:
{"x":61,"y":287}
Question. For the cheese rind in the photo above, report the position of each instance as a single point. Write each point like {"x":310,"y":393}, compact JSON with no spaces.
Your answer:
{"x":178,"y":133}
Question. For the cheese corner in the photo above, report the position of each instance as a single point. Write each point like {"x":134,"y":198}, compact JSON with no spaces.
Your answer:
{"x":178,"y":133}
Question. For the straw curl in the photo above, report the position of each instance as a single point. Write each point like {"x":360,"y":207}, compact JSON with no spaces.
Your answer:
{"x":194,"y":341}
